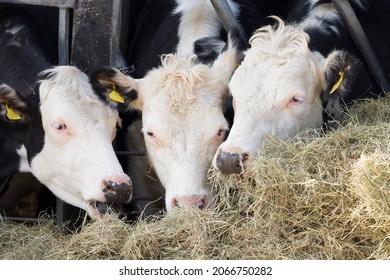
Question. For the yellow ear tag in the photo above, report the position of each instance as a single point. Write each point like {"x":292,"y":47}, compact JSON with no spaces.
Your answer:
{"x":114,"y":95}
{"x":338,"y":83}
{"x":11,"y":114}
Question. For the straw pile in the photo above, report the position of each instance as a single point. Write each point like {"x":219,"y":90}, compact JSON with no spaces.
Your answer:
{"x":312,"y":197}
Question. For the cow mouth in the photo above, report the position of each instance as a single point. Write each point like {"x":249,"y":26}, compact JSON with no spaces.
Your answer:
{"x":104,"y":208}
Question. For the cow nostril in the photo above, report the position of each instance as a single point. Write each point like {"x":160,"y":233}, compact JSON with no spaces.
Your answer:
{"x":201,"y":206}
{"x":245,"y":156}
{"x":202,"y":203}
{"x":108,"y":186}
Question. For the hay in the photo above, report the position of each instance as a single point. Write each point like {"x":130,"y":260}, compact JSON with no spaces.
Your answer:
{"x":101,"y":239}
{"x":189,"y":234}
{"x":312,"y":197}
{"x":28,"y":242}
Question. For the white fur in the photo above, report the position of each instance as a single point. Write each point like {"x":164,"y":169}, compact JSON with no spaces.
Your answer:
{"x":74,"y":162}
{"x":278,"y":67}
{"x":14,"y":29}
{"x":24,"y":167}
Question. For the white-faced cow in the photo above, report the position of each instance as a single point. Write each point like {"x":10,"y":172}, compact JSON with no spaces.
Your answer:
{"x":55,"y":126}
{"x":298,"y":75}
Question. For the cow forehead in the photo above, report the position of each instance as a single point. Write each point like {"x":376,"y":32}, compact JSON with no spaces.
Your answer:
{"x":269,"y":81}
{"x":66,"y":83}
{"x":201,"y":119}
{"x":178,"y":83}
{"x":281,"y":41}
{"x":278,"y":60}
{"x":67,"y":90}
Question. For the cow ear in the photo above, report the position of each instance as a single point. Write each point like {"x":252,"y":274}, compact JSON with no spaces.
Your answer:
{"x":115,"y":88}
{"x":13,"y":108}
{"x":341,"y":69}
{"x":208,"y":49}
{"x":231,"y":55}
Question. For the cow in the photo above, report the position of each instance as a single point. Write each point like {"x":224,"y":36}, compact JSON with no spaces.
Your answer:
{"x":53,"y":125}
{"x":299,"y":73}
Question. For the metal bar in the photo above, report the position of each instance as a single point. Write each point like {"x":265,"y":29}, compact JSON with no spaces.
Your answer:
{"x":360,"y":39}
{"x":59,"y":212}
{"x":225,"y":14}
{"x":19,"y":219}
{"x":63,"y":36}
{"x":63,"y":59}
{"x":115,"y":35}
{"x":130,"y":153}
{"x":50,"y":3}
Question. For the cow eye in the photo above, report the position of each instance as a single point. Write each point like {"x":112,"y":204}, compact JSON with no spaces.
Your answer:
{"x":151,"y":134}
{"x":151,"y":137}
{"x":297,"y":99}
{"x":220,"y":132}
{"x":60,"y":126}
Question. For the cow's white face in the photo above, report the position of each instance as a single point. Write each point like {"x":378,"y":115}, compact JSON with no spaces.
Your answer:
{"x":77,"y":162}
{"x":183,"y":124}
{"x":276,"y":90}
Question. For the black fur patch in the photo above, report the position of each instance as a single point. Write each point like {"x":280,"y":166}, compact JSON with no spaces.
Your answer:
{"x":103,"y":81}
{"x":98,"y":75}
{"x":333,"y":103}
{"x":208,"y":49}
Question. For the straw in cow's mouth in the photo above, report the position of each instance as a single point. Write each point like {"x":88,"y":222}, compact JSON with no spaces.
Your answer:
{"x":103,"y":207}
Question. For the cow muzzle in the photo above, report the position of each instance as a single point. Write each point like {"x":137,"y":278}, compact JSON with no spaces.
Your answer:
{"x":231,"y":162}
{"x":117,"y":191}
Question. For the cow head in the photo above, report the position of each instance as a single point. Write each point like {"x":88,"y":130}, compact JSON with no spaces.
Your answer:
{"x":68,"y":146}
{"x":281,"y":88}
{"x":182,"y":119}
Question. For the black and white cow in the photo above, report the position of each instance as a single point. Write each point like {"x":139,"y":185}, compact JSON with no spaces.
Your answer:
{"x":53,"y":125}
{"x":299,"y":74}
